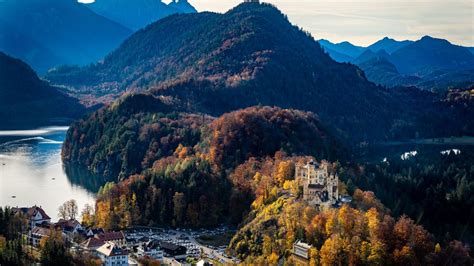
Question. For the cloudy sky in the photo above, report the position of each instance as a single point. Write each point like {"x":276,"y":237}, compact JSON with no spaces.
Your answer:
{"x":365,"y":21}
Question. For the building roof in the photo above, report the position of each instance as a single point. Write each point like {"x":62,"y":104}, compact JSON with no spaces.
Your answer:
{"x":95,"y":231}
{"x":92,"y":243}
{"x":299,"y":243}
{"x":68,"y":225}
{"x":41,"y":231}
{"x":110,"y":249}
{"x":111,"y":236}
{"x":170,"y":246}
{"x":32,"y":211}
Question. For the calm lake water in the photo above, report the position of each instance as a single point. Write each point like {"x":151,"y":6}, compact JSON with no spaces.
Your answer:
{"x":31,"y":171}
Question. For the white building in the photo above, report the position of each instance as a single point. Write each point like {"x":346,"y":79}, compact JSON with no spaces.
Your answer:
{"x":112,"y":255}
{"x":301,"y":249}
{"x":320,"y":185}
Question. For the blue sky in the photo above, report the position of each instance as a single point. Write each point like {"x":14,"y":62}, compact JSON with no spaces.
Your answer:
{"x":365,"y":21}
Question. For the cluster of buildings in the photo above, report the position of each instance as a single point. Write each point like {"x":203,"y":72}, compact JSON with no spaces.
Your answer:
{"x":106,"y":245}
{"x":113,"y":248}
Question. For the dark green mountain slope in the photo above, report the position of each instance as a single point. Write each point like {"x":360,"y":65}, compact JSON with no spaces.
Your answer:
{"x":68,"y":30}
{"x":25,"y":100}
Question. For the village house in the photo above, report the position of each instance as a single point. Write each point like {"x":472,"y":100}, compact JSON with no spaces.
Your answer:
{"x":320,"y":184}
{"x":112,"y":255}
{"x":35,"y":215}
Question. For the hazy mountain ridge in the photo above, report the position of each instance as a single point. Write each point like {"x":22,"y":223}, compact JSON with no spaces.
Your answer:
{"x":137,"y":14}
{"x":27,"y":101}
{"x":62,"y":31}
{"x":429,"y":63}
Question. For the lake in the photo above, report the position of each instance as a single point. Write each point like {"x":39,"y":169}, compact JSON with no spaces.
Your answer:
{"x":31,"y":171}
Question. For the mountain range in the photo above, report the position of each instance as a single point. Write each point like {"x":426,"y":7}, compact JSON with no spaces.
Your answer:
{"x":56,"y":32}
{"x":50,"y":33}
{"x":27,"y":101}
{"x":429,"y":63}
{"x":215,"y":63}
{"x":139,"y":13}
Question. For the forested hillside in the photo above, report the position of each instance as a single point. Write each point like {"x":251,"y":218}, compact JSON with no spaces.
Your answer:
{"x":181,"y":163}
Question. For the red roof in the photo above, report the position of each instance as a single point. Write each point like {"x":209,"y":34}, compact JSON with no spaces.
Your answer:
{"x":67,"y":224}
{"x":111,"y":236}
{"x":93,"y":243}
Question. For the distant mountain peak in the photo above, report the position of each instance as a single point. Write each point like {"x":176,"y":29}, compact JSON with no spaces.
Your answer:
{"x":136,"y":14}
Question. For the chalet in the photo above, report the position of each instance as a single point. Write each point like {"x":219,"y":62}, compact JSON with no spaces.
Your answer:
{"x":320,"y":185}
{"x":112,"y":255}
{"x":117,"y":238}
{"x":301,"y":254}
{"x":35,"y":215}
{"x":71,"y":226}
{"x":172,"y":250}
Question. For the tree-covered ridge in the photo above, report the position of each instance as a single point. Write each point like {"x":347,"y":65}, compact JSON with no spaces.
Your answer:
{"x":262,"y":131}
{"x":27,"y":101}
{"x":190,"y":160}
{"x":131,"y":134}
